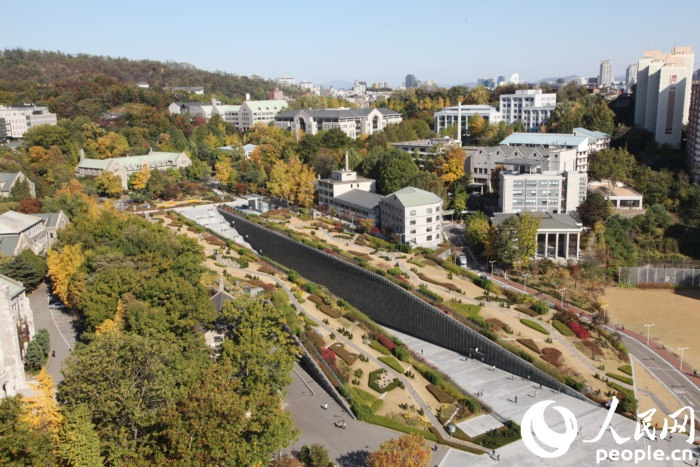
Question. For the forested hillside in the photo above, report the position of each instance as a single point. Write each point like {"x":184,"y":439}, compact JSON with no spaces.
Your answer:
{"x":88,"y":85}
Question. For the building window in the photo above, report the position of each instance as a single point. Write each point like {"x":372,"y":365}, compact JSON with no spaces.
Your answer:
{"x":429,"y":219}
{"x":429,"y":238}
{"x":412,"y":222}
{"x":429,"y":211}
{"x":412,"y":213}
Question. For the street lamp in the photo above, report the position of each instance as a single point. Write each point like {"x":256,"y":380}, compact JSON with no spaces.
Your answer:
{"x":562,"y":290}
{"x":603,"y":307}
{"x":649,"y":326}
{"x":682,"y":349}
{"x":525,"y":281}
{"x":492,"y":261}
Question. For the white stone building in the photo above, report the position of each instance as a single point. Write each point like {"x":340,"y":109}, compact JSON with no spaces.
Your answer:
{"x":424,"y":149}
{"x":530,"y":106}
{"x":583,"y":141}
{"x":450,"y":116}
{"x":558,"y":237}
{"x":620,"y":195}
{"x":481,"y":161}
{"x":414,"y":215}
{"x":662,"y":99}
{"x":125,"y":166}
{"x":35,"y":232}
{"x":8,"y":180}
{"x":352,"y":122}
{"x":252,"y":112}
{"x":16,"y":330}
{"x":526,"y":188}
{"x":16,"y":120}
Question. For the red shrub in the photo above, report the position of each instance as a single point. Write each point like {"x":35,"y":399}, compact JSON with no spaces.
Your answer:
{"x":386,"y":342}
{"x":580,"y":331}
{"x":328,"y":355}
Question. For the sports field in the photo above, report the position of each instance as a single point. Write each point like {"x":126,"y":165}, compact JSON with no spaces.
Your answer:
{"x":676,"y":316}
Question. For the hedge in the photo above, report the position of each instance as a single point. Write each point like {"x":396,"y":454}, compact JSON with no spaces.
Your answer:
{"x":626,"y":369}
{"x":372,"y":383}
{"x":429,"y":293}
{"x":391,"y":361}
{"x":530,"y":344}
{"x":447,"y":285}
{"x":379,"y":347}
{"x":439,"y":394}
{"x":534,"y":325}
{"x":624,"y":379}
{"x":330,"y":311}
{"x":563,"y":329}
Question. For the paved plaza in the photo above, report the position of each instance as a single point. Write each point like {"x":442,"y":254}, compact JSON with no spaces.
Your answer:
{"x":510,"y":396}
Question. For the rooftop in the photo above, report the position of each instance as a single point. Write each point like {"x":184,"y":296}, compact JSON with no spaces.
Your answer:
{"x":12,"y":222}
{"x":269,"y":105}
{"x":6,"y":179}
{"x":153,"y":159}
{"x":411,"y":196}
{"x":548,"y":221}
{"x":545,"y":139}
{"x":360,"y":198}
{"x":610,"y":188}
{"x":335,"y":113}
{"x":15,"y":287}
{"x":591,"y":133}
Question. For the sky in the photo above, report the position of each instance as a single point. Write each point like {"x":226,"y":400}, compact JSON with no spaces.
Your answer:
{"x":447,"y":41}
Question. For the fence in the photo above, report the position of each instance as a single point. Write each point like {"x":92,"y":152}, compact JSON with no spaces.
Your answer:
{"x":387,"y":303}
{"x":689,"y":277}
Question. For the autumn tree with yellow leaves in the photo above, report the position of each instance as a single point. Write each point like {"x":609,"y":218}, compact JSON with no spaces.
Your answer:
{"x":62,"y":265}
{"x":406,"y":451}
{"x":42,"y":412}
{"x":139,"y":179}
{"x":292,"y":180}
{"x":450,"y":165}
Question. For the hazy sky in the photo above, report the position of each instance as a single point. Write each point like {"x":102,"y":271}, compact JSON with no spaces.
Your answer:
{"x":447,"y":41}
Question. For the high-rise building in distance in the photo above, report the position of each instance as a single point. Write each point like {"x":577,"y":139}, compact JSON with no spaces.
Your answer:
{"x":605,"y":77}
{"x":693,"y":143}
{"x":411,"y":81}
{"x":662,"y":99}
{"x":631,"y":78}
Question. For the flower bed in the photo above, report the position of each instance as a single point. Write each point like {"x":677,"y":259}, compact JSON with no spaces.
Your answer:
{"x":386,"y":342}
{"x":379,"y":347}
{"x":563,"y":329}
{"x":378,"y":381}
{"x":330,"y":311}
{"x":536,"y":326}
{"x":530,"y":344}
{"x":439,"y":394}
{"x":348,"y":357}
{"x":391,"y":362}
{"x":448,"y":285}
{"x":624,"y":379}
{"x":551,"y":356}
{"x":580,"y":331}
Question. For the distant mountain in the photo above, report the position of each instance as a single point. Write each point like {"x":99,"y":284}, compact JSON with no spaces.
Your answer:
{"x":337,"y":84}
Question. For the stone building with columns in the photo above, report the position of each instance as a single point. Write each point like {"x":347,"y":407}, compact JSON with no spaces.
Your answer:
{"x":558,"y":236}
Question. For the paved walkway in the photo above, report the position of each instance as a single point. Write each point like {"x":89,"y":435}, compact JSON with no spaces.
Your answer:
{"x":511,"y":396}
{"x":61,"y":327}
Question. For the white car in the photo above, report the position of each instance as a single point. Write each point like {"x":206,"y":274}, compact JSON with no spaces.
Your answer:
{"x":461,"y":261}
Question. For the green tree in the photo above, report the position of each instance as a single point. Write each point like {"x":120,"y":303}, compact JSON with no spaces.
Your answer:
{"x":128,"y":382}
{"x":27,"y":267}
{"x":20,"y":191}
{"x":394,"y":171}
{"x":615,"y":164}
{"x":47,"y":136}
{"x":257,"y":344}
{"x":315,"y":456}
{"x":593,"y":209}
{"x":514,"y":241}
{"x":430,"y":181}
{"x":35,"y":357}
{"x":219,"y":423}
{"x":78,"y":444}
{"x":20,"y":444}
{"x":477,"y":230}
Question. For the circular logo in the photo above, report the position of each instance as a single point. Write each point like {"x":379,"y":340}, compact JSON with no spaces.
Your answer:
{"x":535,"y":431}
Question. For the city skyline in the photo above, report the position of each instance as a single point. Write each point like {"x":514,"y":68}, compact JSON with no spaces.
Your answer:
{"x":378,"y":42}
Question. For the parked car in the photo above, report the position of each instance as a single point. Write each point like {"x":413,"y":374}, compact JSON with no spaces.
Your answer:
{"x":461,"y":260}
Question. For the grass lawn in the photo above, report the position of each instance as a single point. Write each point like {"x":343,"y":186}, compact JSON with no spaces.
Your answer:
{"x":392,"y":362}
{"x":534,"y":325}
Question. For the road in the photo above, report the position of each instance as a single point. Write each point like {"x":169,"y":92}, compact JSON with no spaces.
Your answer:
{"x":677,"y":383}
{"x":680,"y":385}
{"x":61,"y":327}
{"x":348,"y":447}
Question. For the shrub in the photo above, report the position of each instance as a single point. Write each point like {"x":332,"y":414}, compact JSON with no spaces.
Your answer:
{"x":624,"y":379}
{"x":432,"y":376}
{"x":563,"y":329}
{"x":330,"y":311}
{"x":328,"y":355}
{"x":379,"y":347}
{"x":439,"y":394}
{"x":402,"y":353}
{"x":541,"y":307}
{"x":391,"y":362}
{"x":386,"y":342}
{"x":532,"y":324}
{"x":429,"y":293}
{"x":580,"y":331}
